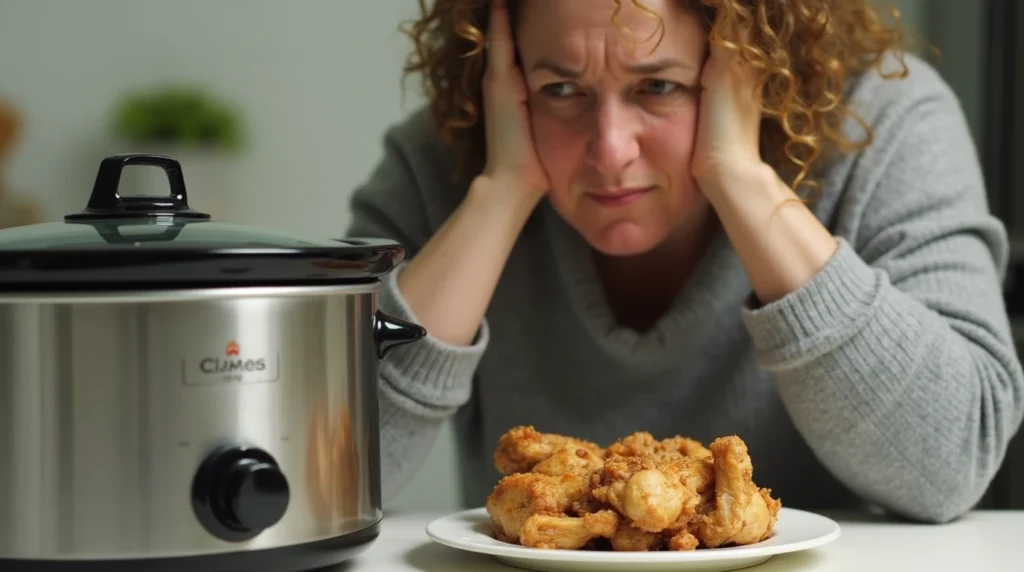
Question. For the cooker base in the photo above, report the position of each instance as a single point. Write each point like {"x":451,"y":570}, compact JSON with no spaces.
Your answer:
{"x":296,"y":558}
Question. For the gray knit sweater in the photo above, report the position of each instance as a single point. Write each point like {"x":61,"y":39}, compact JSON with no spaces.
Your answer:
{"x":889,"y":380}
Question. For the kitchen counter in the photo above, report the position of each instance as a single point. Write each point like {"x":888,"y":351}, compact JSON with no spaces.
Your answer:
{"x":989,"y":541}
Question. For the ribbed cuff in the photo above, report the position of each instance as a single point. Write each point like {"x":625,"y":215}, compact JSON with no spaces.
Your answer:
{"x":429,"y":371}
{"x":818,"y":317}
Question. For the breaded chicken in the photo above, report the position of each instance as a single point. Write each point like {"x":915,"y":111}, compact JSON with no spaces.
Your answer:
{"x":521,"y":448}
{"x":638,"y":494}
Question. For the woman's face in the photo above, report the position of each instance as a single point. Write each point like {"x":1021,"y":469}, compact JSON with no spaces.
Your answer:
{"x":613,"y":121}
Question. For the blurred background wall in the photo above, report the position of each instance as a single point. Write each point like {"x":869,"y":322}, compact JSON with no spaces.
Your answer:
{"x":313,"y":83}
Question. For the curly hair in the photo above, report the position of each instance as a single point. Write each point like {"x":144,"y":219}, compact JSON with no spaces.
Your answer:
{"x":804,"y":49}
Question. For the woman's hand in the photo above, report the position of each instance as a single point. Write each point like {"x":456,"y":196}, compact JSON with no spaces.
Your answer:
{"x":781,"y":249}
{"x":729,"y":123}
{"x":448,"y":296}
{"x":511,"y":158}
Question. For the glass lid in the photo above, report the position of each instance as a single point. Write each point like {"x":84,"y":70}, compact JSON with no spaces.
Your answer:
{"x":132,"y":241}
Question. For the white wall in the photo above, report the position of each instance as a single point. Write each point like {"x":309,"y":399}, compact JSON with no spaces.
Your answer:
{"x":317,"y":81}
{"x":315,"y":98}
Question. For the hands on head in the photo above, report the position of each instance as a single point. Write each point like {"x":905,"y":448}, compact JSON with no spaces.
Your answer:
{"x":727,"y":130}
{"x":604,"y":133}
{"x":511,"y":155}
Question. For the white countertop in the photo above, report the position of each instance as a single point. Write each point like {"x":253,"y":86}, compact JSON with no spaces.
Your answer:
{"x":983,"y":541}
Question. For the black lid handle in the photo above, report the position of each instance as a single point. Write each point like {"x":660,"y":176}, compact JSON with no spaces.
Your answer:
{"x":106,"y":202}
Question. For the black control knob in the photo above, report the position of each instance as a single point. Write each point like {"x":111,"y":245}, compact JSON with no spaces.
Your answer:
{"x":239,"y":492}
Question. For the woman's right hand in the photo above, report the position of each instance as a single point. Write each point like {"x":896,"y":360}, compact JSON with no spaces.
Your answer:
{"x":448,"y":296}
{"x":512,"y":160}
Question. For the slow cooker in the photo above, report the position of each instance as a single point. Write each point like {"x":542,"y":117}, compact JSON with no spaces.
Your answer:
{"x":178,"y":393}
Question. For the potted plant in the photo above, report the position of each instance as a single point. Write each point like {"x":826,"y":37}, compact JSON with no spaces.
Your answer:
{"x":187,"y":123}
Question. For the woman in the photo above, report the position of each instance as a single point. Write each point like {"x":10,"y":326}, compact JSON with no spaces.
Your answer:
{"x":610,"y":230}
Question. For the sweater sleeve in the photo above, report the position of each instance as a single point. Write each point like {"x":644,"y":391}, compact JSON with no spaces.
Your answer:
{"x":896,"y":361}
{"x":423,"y":384}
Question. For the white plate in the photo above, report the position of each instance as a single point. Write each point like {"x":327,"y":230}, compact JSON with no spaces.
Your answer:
{"x":795,"y":531}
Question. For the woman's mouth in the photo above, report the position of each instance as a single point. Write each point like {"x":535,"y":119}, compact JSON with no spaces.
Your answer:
{"x":619,"y":197}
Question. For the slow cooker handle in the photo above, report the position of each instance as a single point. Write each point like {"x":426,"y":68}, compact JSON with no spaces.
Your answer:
{"x":389,"y":332}
{"x":106,"y":201}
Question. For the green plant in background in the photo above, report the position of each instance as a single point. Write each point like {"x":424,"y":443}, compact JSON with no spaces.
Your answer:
{"x":181,"y":116}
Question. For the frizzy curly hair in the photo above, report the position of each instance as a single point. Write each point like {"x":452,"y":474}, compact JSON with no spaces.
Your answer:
{"x":805,"y":51}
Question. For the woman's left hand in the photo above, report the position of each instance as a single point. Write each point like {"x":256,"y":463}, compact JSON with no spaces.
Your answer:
{"x":780,"y":249}
{"x":729,"y":121}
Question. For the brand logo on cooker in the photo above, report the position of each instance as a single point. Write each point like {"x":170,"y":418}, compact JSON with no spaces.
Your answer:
{"x":234,"y":362}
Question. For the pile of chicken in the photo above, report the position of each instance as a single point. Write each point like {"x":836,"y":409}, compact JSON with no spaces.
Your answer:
{"x":638,"y":494}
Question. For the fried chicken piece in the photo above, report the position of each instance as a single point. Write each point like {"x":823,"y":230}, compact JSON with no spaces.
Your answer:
{"x":643,"y":444}
{"x":773,"y":505}
{"x":629,"y":538}
{"x":638,"y":444}
{"x":742,"y":513}
{"x":521,"y":448}
{"x":682,"y":541}
{"x":653,"y":497}
{"x":638,"y":494}
{"x":519,"y":496}
{"x":588,"y":504}
{"x":696,"y":475}
{"x":575,"y":461}
{"x":685,"y":446}
{"x":622,"y":468}
{"x":568,"y":532}
{"x":570,"y":460}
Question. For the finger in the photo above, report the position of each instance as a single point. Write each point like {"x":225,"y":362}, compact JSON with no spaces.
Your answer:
{"x":499,"y":37}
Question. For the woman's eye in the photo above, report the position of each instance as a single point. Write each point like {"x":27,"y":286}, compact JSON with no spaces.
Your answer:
{"x":658,"y":87}
{"x":562,"y":89}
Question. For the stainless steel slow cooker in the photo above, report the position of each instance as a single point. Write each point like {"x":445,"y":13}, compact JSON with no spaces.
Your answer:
{"x":183,"y":394}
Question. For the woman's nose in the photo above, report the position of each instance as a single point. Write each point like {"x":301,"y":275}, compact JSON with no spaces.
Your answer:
{"x":613,"y":144}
